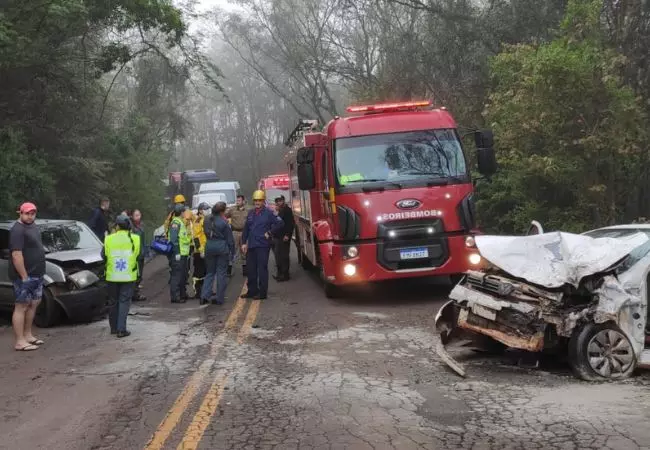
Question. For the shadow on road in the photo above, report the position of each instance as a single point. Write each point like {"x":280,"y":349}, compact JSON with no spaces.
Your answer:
{"x":405,"y":291}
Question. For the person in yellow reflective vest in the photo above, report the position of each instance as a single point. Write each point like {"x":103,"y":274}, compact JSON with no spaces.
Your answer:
{"x":120,"y":252}
{"x":198,"y":255}
{"x":181,"y":238}
{"x":188,"y":214}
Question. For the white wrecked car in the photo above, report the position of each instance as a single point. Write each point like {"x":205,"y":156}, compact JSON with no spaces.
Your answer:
{"x":586,"y":294}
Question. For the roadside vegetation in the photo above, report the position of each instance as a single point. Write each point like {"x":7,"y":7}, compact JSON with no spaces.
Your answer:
{"x":103,"y":99}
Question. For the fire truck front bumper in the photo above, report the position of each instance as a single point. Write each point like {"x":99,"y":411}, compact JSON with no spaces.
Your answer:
{"x":376,"y":261}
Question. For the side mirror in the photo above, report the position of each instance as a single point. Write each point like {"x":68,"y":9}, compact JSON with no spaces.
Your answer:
{"x":486,"y":157}
{"x":535,"y":228}
{"x":306,"y":177}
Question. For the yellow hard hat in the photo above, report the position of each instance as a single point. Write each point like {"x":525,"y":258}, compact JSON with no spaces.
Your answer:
{"x":259,"y":195}
{"x":179,"y":199}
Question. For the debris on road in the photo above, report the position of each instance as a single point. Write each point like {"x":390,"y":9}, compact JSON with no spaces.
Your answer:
{"x":547,"y":290}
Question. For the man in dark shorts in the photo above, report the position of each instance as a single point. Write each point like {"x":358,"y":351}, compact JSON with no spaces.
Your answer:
{"x":26,"y":270}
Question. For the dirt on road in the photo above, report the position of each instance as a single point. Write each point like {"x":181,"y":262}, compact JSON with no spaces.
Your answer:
{"x":298,"y":371}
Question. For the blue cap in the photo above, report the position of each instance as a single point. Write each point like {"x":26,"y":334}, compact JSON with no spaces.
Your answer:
{"x":123,"y":220}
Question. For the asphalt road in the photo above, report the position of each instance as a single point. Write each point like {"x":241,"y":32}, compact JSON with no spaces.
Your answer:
{"x":298,"y":371}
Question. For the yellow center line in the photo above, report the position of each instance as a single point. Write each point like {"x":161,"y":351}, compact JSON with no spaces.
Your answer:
{"x":245,"y":330}
{"x":190,"y":390}
{"x":203,"y":416}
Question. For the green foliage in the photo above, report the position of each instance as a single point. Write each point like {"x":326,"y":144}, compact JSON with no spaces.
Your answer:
{"x":571,"y":136}
{"x":90,"y":93}
{"x":24,"y":176}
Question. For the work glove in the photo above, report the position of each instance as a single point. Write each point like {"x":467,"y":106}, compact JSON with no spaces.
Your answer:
{"x":177,"y":257}
{"x":202,"y":254}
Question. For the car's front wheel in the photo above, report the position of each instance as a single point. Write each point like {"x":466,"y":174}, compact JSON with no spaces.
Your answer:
{"x":600,"y":352}
{"x":49,"y":312}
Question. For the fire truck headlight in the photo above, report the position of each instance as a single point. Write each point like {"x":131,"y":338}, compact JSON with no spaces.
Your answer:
{"x":474,"y":258}
{"x":350,"y":270}
{"x":470,"y":241}
{"x":352,"y":252}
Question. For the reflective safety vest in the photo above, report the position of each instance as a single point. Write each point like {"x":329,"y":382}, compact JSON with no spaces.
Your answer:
{"x":184,"y":238}
{"x":344,"y":179}
{"x":122,"y":249}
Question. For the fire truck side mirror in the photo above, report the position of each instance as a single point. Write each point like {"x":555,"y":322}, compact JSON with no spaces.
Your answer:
{"x":305,"y":160}
{"x":486,"y":157}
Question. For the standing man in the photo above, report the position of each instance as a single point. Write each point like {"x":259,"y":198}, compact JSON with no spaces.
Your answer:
{"x":121,"y":251}
{"x":99,"y":220}
{"x":282,"y":241}
{"x":237,"y":216}
{"x":261,"y":225}
{"x":26,"y":270}
{"x":180,"y":238}
{"x":138,"y":229}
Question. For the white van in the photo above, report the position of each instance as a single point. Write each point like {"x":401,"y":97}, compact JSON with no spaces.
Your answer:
{"x":208,"y":197}
{"x":230,"y":188}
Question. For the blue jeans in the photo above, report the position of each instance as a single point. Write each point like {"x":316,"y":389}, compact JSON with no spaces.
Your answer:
{"x":215,"y":266}
{"x":121,"y":294}
{"x":257,"y":261}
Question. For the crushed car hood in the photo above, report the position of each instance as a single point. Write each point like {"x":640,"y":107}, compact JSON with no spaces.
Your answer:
{"x":555,"y":259}
{"x":87,"y":255}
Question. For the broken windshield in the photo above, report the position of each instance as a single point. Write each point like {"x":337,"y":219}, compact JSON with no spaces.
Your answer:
{"x":413,"y":157}
{"x":635,"y":255}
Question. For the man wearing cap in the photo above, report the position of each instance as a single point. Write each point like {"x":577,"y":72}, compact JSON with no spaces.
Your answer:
{"x":26,"y":271}
{"x":282,"y":240}
{"x":261,"y":224}
{"x":121,"y":250}
{"x":237,"y":216}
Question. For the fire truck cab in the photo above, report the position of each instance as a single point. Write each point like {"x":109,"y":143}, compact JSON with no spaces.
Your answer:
{"x":385,"y":193}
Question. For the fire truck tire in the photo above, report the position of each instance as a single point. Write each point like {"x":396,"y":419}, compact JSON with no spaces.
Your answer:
{"x":331,"y":290}
{"x":304,"y":261}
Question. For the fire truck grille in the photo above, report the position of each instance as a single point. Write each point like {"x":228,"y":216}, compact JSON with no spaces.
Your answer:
{"x":412,"y":244}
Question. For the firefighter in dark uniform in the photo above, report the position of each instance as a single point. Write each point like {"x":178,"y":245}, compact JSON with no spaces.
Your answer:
{"x":261,"y":225}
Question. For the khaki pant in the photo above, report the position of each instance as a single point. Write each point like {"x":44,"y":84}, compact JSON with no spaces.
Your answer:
{"x":238,"y":256}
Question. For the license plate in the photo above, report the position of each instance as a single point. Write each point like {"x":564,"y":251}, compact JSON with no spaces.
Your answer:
{"x":414,"y":253}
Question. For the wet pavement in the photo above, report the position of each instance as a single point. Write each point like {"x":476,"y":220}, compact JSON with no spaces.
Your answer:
{"x":298,"y":371}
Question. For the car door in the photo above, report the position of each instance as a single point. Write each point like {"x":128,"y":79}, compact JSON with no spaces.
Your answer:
{"x":6,"y":288}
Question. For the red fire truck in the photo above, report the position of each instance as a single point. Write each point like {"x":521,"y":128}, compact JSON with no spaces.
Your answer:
{"x":275,"y":186}
{"x":385,"y":193}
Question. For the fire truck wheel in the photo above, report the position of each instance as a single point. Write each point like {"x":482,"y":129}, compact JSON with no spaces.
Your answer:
{"x":304,"y":261}
{"x":331,"y":290}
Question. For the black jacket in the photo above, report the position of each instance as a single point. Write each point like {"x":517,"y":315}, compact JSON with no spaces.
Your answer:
{"x":99,"y":223}
{"x":286,"y":214}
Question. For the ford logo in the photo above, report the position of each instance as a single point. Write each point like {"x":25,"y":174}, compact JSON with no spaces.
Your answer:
{"x":408,"y":203}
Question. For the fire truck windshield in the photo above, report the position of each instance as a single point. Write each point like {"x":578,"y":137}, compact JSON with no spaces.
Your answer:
{"x":400,"y":159}
{"x":272,"y":194}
